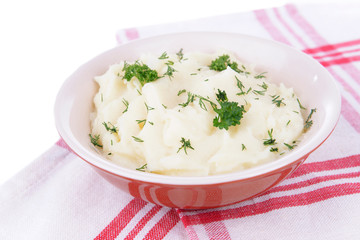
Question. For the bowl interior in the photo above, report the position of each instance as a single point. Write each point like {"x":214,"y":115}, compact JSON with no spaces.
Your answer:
{"x":311,"y":82}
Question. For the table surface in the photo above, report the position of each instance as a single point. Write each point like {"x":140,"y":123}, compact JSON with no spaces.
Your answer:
{"x":43,"y":42}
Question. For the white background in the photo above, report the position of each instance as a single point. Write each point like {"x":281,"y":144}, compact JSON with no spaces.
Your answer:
{"x":43,"y":42}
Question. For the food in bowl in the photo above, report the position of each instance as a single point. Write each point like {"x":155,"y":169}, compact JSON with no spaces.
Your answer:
{"x":312,"y":83}
{"x":194,"y":114}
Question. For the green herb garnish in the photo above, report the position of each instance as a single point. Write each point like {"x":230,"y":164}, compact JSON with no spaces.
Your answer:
{"x":277,"y":101}
{"x":229,"y":113}
{"x":126,"y":103}
{"x":261,"y":75}
{"x":95,"y":140}
{"x":180,"y":55}
{"x":164,"y":56}
{"x":243,"y":147}
{"x":141,"y":71}
{"x":141,"y":121}
{"x":181,"y":91}
{"x":143,"y":168}
{"x":240,"y":86}
{"x":170,"y":70}
{"x":291,"y":147}
{"x":309,"y":122}
{"x":271,"y":140}
{"x":148,"y":108}
{"x":185,"y":144}
{"x":301,"y":106}
{"x":274,"y":149}
{"x":190,"y":99}
{"x":110,"y":127}
{"x":221,"y":96}
{"x":222,"y":62}
{"x":137,"y":139}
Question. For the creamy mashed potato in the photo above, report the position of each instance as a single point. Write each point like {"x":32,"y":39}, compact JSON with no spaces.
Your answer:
{"x":202,"y":114}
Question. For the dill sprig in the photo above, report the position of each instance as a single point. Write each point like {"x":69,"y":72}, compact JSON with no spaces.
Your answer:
{"x":181,"y":92}
{"x":170,"y":70}
{"x":126,"y":103}
{"x":271,"y":140}
{"x":143,"y":168}
{"x":95,"y":140}
{"x":301,"y":106}
{"x":277,"y":100}
{"x":137,"y":139}
{"x":180,"y":55}
{"x":185,"y":144}
{"x":110,"y":127}
{"x":240,"y":85}
{"x":260,"y":75}
{"x":272,"y":149}
{"x":163,"y":56}
{"x":290,"y":147}
{"x":148,"y":108}
{"x":309,"y":122}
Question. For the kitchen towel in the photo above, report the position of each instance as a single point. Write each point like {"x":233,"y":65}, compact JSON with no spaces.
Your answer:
{"x":59,"y":196}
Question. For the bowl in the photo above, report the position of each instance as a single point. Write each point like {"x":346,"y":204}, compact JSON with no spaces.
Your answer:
{"x":312,"y":83}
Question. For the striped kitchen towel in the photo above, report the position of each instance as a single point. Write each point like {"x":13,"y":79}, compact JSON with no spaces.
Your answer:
{"x":60,"y":197}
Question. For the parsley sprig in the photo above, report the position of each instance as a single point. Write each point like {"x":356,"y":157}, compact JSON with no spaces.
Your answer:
{"x":229,"y":113}
{"x":222,"y":62}
{"x":141,"y":71}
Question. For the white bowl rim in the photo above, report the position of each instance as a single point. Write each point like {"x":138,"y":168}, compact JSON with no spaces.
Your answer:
{"x":288,"y":159}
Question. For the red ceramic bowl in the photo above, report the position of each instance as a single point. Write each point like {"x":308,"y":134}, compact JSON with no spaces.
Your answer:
{"x":312,"y":83}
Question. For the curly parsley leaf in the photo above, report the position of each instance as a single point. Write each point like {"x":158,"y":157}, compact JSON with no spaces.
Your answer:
{"x":141,"y":71}
{"x":229,"y":114}
{"x":222,"y":62}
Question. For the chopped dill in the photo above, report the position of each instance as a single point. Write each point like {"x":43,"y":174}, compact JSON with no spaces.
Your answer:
{"x":143,"y":168}
{"x":137,"y":139}
{"x":95,"y":140}
{"x":110,"y":127}
{"x":185,"y":144}
{"x":163,"y":56}
{"x":260,"y":75}
{"x":291,"y":147}
{"x":126,"y":103}
{"x":271,"y":140}
{"x":277,"y":100}
{"x":180,"y":55}
{"x":243,"y":147}
{"x":272,"y":149}
{"x":309,"y":122}
{"x":301,"y":106}
{"x":181,"y":91}
{"x":148,"y":108}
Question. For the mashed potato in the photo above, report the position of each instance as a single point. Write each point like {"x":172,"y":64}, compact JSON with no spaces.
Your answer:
{"x":192,"y":114}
